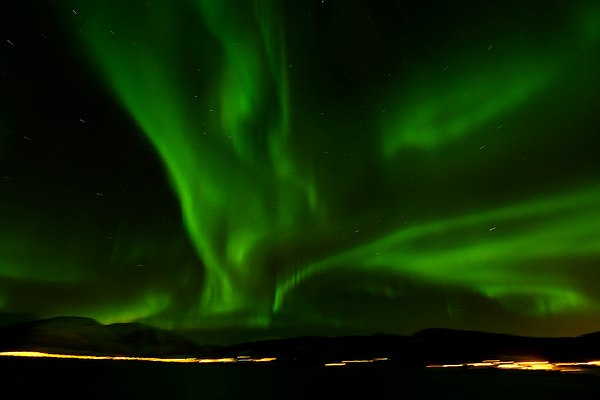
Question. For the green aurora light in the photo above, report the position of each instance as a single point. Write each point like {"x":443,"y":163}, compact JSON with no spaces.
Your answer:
{"x":306,"y":143}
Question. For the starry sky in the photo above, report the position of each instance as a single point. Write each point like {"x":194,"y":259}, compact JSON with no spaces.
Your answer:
{"x":302,"y":167}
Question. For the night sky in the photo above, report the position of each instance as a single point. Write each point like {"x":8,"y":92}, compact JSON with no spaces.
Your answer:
{"x":302,"y":167}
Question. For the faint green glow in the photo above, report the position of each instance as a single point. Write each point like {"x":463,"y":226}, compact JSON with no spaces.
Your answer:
{"x":590,"y":23}
{"x":537,"y":300}
{"x":448,"y":111}
{"x":47,"y":264}
{"x":472,"y":101}
{"x":141,"y":307}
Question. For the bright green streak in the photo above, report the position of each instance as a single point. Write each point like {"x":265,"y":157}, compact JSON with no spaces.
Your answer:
{"x":224,"y":136}
{"x":227,"y":156}
{"x":510,"y":254}
{"x":253,"y":64}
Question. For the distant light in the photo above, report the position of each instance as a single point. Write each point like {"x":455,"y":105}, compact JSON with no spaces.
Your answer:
{"x":525,"y":365}
{"x":335,"y":364}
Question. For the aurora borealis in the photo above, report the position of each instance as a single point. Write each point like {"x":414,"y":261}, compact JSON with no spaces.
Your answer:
{"x":303,"y":166}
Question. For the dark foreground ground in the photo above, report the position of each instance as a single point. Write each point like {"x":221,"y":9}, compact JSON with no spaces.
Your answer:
{"x":83,"y":379}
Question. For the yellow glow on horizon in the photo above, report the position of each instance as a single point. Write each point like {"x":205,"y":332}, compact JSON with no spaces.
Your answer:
{"x":189,"y":360}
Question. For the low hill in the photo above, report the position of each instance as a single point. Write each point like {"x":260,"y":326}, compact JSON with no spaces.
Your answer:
{"x":85,"y":336}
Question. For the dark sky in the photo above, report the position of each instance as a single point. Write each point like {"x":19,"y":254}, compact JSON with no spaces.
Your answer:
{"x":323,"y":167}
